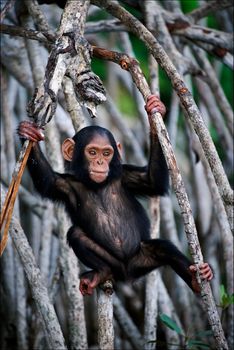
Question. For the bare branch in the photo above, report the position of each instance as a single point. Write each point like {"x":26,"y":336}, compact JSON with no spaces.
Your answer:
{"x":6,"y":8}
{"x":211,"y":6}
{"x":127,"y":324}
{"x":23,"y":32}
{"x":211,"y":36}
{"x":105,"y":320}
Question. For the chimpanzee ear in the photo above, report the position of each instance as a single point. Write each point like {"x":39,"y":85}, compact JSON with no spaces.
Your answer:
{"x":68,"y":149}
{"x":119,"y":146}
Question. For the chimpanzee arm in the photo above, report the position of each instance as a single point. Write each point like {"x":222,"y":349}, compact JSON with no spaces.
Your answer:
{"x":151,"y":180}
{"x":47,"y":182}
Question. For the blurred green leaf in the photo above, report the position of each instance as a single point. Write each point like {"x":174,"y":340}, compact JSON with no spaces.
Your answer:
{"x":170,"y":323}
{"x":222,"y":291}
{"x":202,"y":334}
{"x":198,"y":344}
{"x":225,"y":299}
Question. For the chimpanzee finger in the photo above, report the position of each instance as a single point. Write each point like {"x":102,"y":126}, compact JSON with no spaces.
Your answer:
{"x":204,"y":268}
{"x":153,"y":102}
{"x":29,"y":134}
{"x":152,"y":97}
{"x":193,"y":268}
{"x":206,"y":272}
{"x":36,"y":130}
{"x":207,"y":276}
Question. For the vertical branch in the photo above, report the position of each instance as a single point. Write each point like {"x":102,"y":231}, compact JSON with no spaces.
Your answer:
{"x":105,"y":320}
{"x":21,"y":290}
{"x":73,"y":106}
{"x":151,"y":297}
{"x":190,"y":228}
{"x":127,"y":324}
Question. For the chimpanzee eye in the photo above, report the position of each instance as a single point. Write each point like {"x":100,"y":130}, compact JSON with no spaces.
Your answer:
{"x":92,"y":152}
{"x":106,"y":153}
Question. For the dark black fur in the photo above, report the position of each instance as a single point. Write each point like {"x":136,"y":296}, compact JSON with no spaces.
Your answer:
{"x":111,"y":231}
{"x":60,"y":3}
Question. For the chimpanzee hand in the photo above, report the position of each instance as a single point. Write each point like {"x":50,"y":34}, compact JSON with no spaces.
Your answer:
{"x":30,"y":131}
{"x":154,"y":105}
{"x":205,"y":273}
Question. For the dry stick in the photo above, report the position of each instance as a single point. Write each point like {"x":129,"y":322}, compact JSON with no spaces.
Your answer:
{"x":12,"y":193}
{"x":132,"y":66}
{"x":209,"y":7}
{"x":6,"y":8}
{"x":151,"y":289}
{"x":24,"y":33}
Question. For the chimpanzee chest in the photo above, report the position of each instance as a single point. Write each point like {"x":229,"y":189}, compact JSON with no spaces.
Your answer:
{"x":114,"y":219}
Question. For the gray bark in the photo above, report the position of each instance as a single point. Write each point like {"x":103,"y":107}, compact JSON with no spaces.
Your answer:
{"x":105,"y":320}
{"x":49,"y":321}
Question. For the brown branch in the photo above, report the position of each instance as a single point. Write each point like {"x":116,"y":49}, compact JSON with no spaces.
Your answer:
{"x":8,"y":206}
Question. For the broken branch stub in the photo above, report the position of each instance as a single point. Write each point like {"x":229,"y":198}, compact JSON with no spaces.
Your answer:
{"x":70,"y":55}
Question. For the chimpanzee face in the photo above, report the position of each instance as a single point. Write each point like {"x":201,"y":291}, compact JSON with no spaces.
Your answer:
{"x":93,"y":156}
{"x":98,"y":154}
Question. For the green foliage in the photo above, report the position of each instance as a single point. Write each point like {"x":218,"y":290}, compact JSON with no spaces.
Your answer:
{"x":225,"y":299}
{"x":126,"y":104}
{"x":188,"y":5}
{"x":197,"y":344}
{"x":227,"y":82}
{"x":170,"y":323}
{"x":99,"y":67}
{"x":192,"y":342}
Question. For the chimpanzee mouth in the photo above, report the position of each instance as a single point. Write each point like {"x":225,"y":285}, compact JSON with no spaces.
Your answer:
{"x":98,"y":172}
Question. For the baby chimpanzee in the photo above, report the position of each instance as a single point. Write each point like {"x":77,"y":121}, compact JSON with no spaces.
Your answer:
{"x":111,"y":231}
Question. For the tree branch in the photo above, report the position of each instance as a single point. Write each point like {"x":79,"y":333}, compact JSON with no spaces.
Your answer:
{"x":211,"y":6}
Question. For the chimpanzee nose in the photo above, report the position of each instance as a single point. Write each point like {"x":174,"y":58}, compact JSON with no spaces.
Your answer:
{"x":100,"y":161}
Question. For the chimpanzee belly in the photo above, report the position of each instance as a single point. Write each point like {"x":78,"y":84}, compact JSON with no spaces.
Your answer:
{"x":118,"y":225}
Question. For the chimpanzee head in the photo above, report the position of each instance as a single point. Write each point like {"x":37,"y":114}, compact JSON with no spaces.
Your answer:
{"x":93,"y":155}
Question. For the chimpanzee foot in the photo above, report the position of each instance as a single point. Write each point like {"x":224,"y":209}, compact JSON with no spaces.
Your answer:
{"x":205,"y":274}
{"x":90,"y":280}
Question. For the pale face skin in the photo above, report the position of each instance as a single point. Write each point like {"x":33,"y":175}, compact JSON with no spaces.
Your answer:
{"x":99,"y":154}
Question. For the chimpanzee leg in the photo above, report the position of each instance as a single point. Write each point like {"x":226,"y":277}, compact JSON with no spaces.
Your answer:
{"x":93,"y":256}
{"x":158,"y":252}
